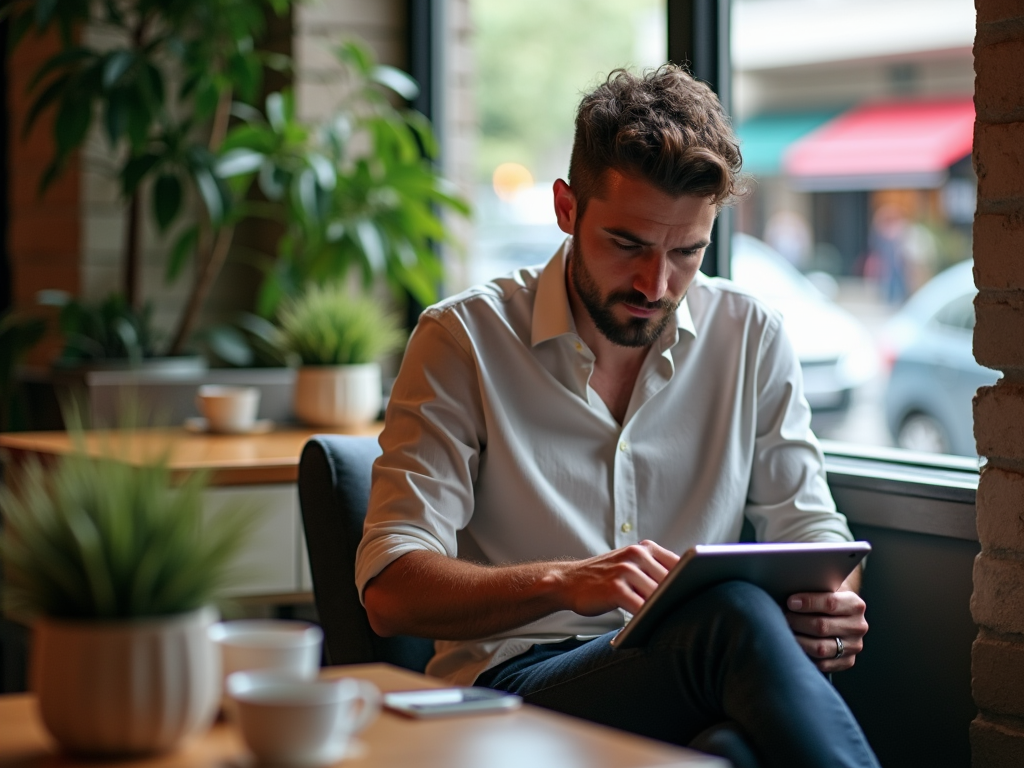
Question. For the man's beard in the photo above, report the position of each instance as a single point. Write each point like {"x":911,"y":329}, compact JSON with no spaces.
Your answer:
{"x":635,"y":332}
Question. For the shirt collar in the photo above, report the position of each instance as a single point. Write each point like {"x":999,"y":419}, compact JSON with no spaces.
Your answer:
{"x":552,"y":315}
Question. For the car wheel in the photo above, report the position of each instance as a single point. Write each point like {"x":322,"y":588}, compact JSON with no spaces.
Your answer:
{"x":923,"y":433}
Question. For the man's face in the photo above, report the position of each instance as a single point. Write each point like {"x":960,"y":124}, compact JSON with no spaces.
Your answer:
{"x":635,"y":252}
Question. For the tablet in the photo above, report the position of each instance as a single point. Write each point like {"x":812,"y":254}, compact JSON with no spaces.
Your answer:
{"x":779,"y":569}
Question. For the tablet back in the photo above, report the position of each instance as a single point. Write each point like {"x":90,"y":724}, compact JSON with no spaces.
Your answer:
{"x":779,"y":569}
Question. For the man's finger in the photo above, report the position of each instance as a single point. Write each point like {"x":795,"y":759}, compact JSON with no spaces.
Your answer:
{"x":832,"y":603}
{"x":826,"y":648}
{"x":821,"y":625}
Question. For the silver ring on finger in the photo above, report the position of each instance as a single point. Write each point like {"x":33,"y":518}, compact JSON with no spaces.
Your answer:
{"x":840,"y":648}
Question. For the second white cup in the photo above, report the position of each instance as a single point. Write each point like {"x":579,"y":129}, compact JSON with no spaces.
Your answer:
{"x":300,"y":722}
{"x":288,"y":647}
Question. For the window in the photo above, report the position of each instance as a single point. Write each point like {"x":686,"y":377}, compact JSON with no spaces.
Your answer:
{"x":856,"y":120}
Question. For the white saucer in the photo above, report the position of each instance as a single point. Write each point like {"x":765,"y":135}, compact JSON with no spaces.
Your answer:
{"x":200,"y":425}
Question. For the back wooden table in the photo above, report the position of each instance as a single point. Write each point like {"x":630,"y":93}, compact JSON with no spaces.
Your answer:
{"x":528,"y":738}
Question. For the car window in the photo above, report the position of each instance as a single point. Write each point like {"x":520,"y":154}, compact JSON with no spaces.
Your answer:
{"x":958,"y":313}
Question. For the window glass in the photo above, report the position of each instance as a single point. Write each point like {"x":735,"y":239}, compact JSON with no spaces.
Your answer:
{"x":534,"y":59}
{"x":856,"y":120}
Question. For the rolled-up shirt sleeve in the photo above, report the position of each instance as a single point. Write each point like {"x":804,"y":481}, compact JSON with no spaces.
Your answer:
{"x":788,"y":497}
{"x":422,"y":488}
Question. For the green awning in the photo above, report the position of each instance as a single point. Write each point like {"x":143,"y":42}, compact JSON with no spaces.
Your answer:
{"x":765,"y":138}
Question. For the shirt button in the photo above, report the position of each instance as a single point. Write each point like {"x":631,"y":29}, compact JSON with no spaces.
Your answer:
{"x":627,"y":527}
{"x":623,"y":446}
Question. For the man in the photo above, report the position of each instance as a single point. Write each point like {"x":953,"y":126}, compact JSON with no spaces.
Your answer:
{"x":555,"y":438}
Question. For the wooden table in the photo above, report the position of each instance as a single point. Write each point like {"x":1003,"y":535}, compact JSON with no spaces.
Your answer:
{"x":233,"y":459}
{"x":259,"y":469}
{"x":528,"y":738}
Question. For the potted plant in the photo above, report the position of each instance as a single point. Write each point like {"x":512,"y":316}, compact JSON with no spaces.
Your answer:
{"x":339,"y":341}
{"x":116,"y":571}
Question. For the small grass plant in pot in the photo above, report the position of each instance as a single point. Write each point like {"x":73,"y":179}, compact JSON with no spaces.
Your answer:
{"x":340,"y":340}
{"x":116,"y":568}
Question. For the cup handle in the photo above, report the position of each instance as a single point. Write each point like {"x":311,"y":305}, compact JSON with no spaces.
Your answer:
{"x":367,"y":698}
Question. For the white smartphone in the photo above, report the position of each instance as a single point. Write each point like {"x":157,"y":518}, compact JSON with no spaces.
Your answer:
{"x":442,"y":702}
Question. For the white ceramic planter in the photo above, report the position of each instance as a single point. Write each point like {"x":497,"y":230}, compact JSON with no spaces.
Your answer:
{"x":338,"y":396}
{"x":126,"y":687}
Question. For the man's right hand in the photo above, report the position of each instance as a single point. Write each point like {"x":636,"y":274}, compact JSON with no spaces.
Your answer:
{"x":623,"y":578}
{"x":429,"y":595}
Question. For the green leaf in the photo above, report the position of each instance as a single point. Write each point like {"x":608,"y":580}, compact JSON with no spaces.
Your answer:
{"x":211,"y":194}
{"x":230,"y":345}
{"x":326,"y":174}
{"x":307,"y":194}
{"x":398,"y":81}
{"x":183,"y":248}
{"x":237,"y":162}
{"x":371,"y":243}
{"x":44,"y":12}
{"x":166,"y":200}
{"x":72,"y":123}
{"x":115,"y":66}
{"x":356,"y":56}
{"x":61,"y":60}
{"x":277,"y":112}
{"x":45,"y":99}
{"x":207,"y":96}
{"x":135,"y":170}
{"x":116,"y":117}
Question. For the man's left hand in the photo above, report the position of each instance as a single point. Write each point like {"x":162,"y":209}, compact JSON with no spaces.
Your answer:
{"x":817,"y":619}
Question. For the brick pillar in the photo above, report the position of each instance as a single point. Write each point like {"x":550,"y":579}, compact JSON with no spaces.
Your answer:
{"x":45,"y":232}
{"x":997,"y":734}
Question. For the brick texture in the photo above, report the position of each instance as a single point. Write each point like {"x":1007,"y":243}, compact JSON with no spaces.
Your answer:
{"x":997,"y":668}
{"x":998,"y":416}
{"x":999,"y":331}
{"x":998,"y":10}
{"x":995,"y":745}
{"x":1001,"y":240}
{"x":998,"y":599}
{"x":1000,"y":513}
{"x":1000,"y":81}
{"x":999,"y":160}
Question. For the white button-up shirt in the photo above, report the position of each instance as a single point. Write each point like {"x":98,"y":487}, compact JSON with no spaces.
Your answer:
{"x":497,"y":450}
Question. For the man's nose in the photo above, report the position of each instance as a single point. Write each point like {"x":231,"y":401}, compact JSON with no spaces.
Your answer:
{"x":651,"y":278}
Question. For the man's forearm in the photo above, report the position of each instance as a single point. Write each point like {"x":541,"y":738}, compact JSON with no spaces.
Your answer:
{"x":430,"y":595}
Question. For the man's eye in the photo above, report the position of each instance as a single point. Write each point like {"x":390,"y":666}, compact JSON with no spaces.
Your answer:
{"x":626,"y":246}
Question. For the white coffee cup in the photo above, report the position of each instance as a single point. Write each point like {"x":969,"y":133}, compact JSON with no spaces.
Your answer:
{"x":285,"y":721}
{"x":287,"y":647}
{"x":228,"y":409}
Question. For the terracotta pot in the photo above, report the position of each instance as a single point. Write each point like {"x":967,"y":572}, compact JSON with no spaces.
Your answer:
{"x":338,"y":395}
{"x":126,"y":687}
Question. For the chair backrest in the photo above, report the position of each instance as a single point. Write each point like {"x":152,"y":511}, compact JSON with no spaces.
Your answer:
{"x":334,"y":490}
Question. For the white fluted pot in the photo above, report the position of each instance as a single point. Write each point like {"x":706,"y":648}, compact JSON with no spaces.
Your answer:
{"x":338,"y":395}
{"x":126,"y":687}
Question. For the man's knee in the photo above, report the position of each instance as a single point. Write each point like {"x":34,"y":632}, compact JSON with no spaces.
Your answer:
{"x":732,"y":611}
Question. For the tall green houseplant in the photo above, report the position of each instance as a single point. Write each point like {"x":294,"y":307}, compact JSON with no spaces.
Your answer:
{"x":358,"y":192}
{"x":161,"y":83}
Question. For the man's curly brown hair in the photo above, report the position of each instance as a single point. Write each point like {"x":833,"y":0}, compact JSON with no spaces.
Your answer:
{"x":663,"y":126}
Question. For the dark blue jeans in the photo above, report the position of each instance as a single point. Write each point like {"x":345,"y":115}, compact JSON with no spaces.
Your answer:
{"x":727,"y":655}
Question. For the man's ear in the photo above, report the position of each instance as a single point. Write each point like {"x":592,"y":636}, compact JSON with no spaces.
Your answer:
{"x":565,"y":206}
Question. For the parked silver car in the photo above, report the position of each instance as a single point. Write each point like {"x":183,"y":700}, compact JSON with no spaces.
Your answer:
{"x":934,"y":375}
{"x":836,"y":352}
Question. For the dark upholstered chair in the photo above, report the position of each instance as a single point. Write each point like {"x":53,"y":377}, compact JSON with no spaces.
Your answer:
{"x":334,"y":489}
